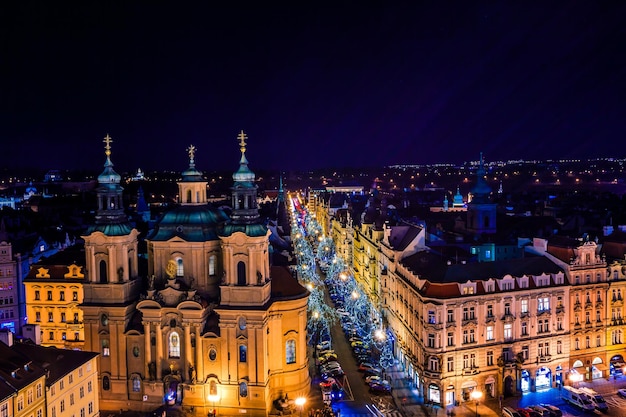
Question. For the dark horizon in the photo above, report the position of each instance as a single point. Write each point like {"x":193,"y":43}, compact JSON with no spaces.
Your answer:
{"x":314,"y":87}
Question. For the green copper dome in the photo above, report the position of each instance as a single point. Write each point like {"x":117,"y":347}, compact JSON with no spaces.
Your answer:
{"x":190,"y":223}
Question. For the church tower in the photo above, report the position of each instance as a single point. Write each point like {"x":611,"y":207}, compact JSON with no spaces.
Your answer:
{"x":112,"y":285}
{"x":245,"y":243}
{"x":481,"y":212}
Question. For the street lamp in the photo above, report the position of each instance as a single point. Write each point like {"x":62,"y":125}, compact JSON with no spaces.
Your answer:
{"x":476,"y":396}
{"x":300,"y":401}
{"x":214,"y":398}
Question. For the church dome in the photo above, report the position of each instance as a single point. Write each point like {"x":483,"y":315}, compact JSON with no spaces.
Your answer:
{"x":190,"y":223}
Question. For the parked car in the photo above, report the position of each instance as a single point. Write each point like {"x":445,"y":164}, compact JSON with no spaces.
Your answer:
{"x":622,"y":392}
{"x":373,"y":378}
{"x":324,"y":345}
{"x":363,"y":366}
{"x":327,"y":384}
{"x":336,"y":392}
{"x":528,"y":412}
{"x":371,"y":372}
{"x":381,"y":387}
{"x":556,"y":411}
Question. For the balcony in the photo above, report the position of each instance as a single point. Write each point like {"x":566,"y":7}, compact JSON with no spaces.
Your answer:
{"x":472,"y":370}
{"x":560,"y":310}
{"x":508,"y":318}
{"x":545,"y":312}
{"x":490,"y":319}
{"x":432,"y":374}
{"x":467,"y":322}
{"x":450,"y":324}
{"x":544,"y":358}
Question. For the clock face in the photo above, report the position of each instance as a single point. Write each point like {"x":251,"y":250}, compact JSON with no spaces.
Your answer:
{"x":242,"y":323}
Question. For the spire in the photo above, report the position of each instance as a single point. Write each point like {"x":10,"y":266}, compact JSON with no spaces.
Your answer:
{"x":481,"y":190}
{"x":110,"y":207}
{"x":191,"y":174}
{"x":244,"y":190}
{"x":281,"y":191}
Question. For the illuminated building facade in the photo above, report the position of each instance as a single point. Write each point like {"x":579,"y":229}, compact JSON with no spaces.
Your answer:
{"x":217,"y":327}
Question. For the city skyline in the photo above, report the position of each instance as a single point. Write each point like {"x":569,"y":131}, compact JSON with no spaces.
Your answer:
{"x":325,"y":87}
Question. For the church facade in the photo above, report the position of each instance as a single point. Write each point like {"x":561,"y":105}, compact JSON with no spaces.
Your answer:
{"x":216,"y":328}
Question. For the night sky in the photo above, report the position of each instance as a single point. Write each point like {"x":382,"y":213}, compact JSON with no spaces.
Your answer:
{"x":313,"y":86}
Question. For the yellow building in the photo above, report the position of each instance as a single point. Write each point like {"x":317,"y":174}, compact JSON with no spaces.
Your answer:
{"x":217,"y":327}
{"x":54,"y":292}
{"x":22,"y":383}
{"x":71,"y":380}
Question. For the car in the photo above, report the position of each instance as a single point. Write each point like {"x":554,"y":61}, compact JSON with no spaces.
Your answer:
{"x":327,"y":358}
{"x":380,"y":387}
{"x":327,"y":384}
{"x":542,"y":411}
{"x":556,"y":411}
{"x":622,"y":392}
{"x":336,"y":392}
{"x":527,"y":412}
{"x":371,"y":372}
{"x":363,"y":366}
{"x":360,"y":344}
{"x":324,"y":345}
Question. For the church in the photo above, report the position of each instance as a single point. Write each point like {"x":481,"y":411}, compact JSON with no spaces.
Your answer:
{"x":217,"y":328}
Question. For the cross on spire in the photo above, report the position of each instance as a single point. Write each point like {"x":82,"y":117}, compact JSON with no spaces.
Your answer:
{"x":242,"y":141}
{"x":107,"y":144}
{"x":192,"y":151}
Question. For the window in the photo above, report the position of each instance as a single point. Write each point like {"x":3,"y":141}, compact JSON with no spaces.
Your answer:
{"x":51,"y":336}
{"x":577,"y":344}
{"x":74,"y":295}
{"x":489,"y":310}
{"x":431,"y":340}
{"x":290,"y":351}
{"x":598,"y":341}
{"x":90,"y":407}
{"x":490,"y":358}
{"x":587,"y":342}
{"x":37,"y":295}
{"x":89,"y":386}
{"x":29,"y":396}
{"x":37,"y":316}
{"x":433,"y":364}
{"x":75,"y":318}
{"x":61,"y":384}
{"x":450,"y":364}
{"x":524,"y":328}
{"x":508,"y":331}
{"x":63,"y":320}
{"x":81,"y":392}
{"x":70,"y":378}
{"x":243,"y":389}
{"x":431,"y":317}
{"x":450,"y":339}
{"x":62,"y":405}
{"x":82,"y":412}
{"x":136,"y":383}
{"x":104,"y":320}
{"x":4,"y":410}
{"x":524,"y":306}
{"x":39,"y":390}
{"x":62,"y":296}
{"x":543,"y":304}
{"x":466,"y":363}
{"x":49,"y":295}
{"x":72,"y":399}
{"x":212,"y":262}
{"x":559,"y":347}
{"x":106,"y":383}
{"x":469,"y":336}
{"x":243,"y":353}
{"x":180,"y":269}
{"x":489,"y":332}
{"x":507,"y":309}
{"x":450,"y":316}
{"x":106,"y":351}
{"x":50,"y":316}
{"x":468,"y":313}
{"x":20,"y":403}
{"x":174,"y":345}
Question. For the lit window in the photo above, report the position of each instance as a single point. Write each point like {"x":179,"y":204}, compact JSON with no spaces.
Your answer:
{"x":243,"y":389}
{"x":136,"y":384}
{"x":106,"y":351}
{"x":290,"y":351}
{"x":174,"y":350}
{"x":243,"y":353}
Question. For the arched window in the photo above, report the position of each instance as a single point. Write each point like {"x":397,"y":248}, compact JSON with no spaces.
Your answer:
{"x":212,"y":388}
{"x":212,"y":262}
{"x":180,"y":269}
{"x":189,"y":196}
{"x":104,"y":320}
{"x":106,"y":383}
{"x":103,"y":272}
{"x":290,"y":351}
{"x":243,"y":389}
{"x":241,"y":273}
{"x":243,"y":353}
{"x":106,"y":351}
{"x":136,"y":383}
{"x":174,"y":345}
